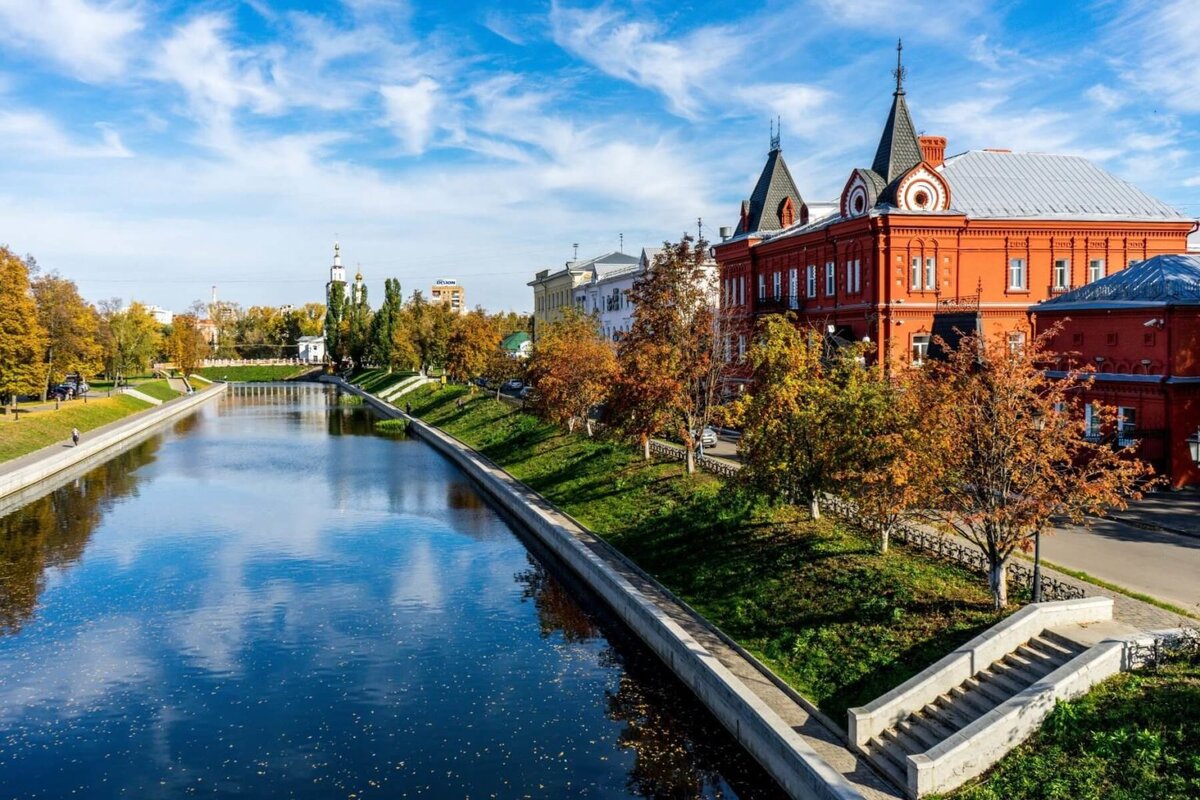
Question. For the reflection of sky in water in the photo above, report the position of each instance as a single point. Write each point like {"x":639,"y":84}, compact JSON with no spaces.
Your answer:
{"x":277,"y":603}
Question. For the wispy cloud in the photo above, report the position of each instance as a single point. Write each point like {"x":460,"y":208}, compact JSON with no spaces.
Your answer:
{"x":33,"y":133}
{"x":1162,"y":43}
{"x":88,"y":39}
{"x":410,"y":112}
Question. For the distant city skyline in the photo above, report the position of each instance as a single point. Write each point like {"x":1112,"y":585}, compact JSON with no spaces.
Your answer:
{"x":153,"y":151}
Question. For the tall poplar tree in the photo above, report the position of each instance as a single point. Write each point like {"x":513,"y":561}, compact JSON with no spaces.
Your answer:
{"x":22,"y":338}
{"x":335,"y":306}
{"x":384,"y":324}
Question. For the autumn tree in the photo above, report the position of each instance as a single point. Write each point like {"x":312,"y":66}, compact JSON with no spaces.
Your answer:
{"x":499,"y":367}
{"x":571,"y":370}
{"x":260,"y":332}
{"x":1013,"y":452}
{"x":472,"y":340}
{"x":429,"y":325}
{"x":226,"y":317}
{"x":22,"y":338}
{"x":186,"y":345}
{"x":789,"y":415}
{"x":886,"y":460}
{"x":130,"y":338}
{"x":671,"y":360}
{"x":71,"y":326}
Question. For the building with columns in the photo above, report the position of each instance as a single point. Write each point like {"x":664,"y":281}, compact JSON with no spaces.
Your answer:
{"x":922,"y":244}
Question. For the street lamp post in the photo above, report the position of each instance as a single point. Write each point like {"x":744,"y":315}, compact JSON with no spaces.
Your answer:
{"x":1037,"y":565}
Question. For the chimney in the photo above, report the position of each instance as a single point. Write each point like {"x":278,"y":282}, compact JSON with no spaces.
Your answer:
{"x":933,"y":149}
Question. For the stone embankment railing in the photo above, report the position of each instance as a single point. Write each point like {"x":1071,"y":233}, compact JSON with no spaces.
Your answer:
{"x":931,"y":542}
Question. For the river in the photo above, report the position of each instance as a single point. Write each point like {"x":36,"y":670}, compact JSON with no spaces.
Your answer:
{"x":270,"y":600}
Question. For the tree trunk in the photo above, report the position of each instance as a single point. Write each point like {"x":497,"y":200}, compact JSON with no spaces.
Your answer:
{"x":571,"y":425}
{"x":885,"y":533}
{"x":588,"y":423}
{"x":498,"y":394}
{"x":645,"y":447}
{"x":691,"y":461}
{"x":998,"y":583}
{"x":814,"y":507}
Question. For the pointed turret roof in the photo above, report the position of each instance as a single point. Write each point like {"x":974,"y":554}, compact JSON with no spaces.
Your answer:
{"x":775,"y":185}
{"x":899,"y":150}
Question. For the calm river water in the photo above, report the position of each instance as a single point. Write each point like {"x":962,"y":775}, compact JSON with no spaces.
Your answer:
{"x":269,"y":600}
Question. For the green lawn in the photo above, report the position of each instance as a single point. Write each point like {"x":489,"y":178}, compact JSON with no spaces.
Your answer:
{"x":29,"y":432}
{"x":814,"y":600}
{"x":257,"y":373}
{"x":1134,"y":737}
{"x":159,"y":390}
{"x":376,"y":381}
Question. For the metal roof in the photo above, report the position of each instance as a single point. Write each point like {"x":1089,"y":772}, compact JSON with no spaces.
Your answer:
{"x":774,"y":185}
{"x":985,"y":183}
{"x":1161,"y":280}
{"x":898,"y":151}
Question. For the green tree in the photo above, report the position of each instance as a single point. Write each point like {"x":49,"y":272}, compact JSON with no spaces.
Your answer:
{"x":130,"y":338}
{"x":385,"y":323}
{"x":71,"y":326}
{"x":22,"y":338}
{"x":335,"y":305}
{"x":358,"y":325}
{"x":429,"y":325}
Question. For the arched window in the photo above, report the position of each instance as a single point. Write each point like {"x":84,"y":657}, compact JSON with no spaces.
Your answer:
{"x":787,"y":212}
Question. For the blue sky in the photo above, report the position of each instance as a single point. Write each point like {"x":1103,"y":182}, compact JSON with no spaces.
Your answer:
{"x":150,"y":150}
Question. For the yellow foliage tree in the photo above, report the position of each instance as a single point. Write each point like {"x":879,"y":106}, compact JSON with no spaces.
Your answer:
{"x":72,"y":328}
{"x":22,"y":338}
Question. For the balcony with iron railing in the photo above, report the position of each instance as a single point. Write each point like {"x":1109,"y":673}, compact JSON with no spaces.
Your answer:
{"x":778,"y":304}
{"x":1055,"y":290}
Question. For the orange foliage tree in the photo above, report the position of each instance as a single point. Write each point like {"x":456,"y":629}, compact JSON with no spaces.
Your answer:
{"x":473,"y":339}
{"x":571,"y":369}
{"x":1012,"y":452}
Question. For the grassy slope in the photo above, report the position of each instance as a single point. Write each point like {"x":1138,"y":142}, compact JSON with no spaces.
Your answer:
{"x":159,"y":390}
{"x":814,"y":600}
{"x":379,"y":380}
{"x":260,"y":373}
{"x":35,"y":431}
{"x":1134,"y":737}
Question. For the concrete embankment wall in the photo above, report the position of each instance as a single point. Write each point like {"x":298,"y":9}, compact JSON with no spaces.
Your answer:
{"x":98,"y":442}
{"x":782,"y":752}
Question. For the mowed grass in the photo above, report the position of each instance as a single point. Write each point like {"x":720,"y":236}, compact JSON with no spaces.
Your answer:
{"x":30,"y":432}
{"x":376,"y":381}
{"x":813,"y":599}
{"x":1134,"y":737}
{"x":159,"y":390}
{"x":281,"y":372}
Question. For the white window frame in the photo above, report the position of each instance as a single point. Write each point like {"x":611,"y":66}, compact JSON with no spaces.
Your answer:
{"x":931,"y":283}
{"x":1096,"y":269}
{"x":1126,"y":427}
{"x":915,"y":274}
{"x":857,"y":275}
{"x":830,"y":279}
{"x":1016,"y":341}
{"x":762,"y":286}
{"x":810,"y":279}
{"x":777,"y":283}
{"x":741,"y":347}
{"x":1062,"y":273}
{"x":919,"y":347}
{"x":1018,"y":274}
{"x":1091,"y":422}
{"x":793,"y":287}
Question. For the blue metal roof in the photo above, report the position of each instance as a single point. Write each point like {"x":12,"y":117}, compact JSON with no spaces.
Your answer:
{"x":1161,"y":280}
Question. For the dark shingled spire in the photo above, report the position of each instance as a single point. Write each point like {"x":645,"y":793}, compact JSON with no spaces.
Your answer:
{"x":774,"y":186}
{"x":899,"y":150}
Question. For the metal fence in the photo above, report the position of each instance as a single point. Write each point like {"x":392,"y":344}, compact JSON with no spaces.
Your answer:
{"x":1163,"y":647}
{"x":714,"y":465}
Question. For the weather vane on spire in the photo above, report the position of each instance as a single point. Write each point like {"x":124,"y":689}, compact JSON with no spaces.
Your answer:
{"x":900,"y":71}
{"x":775,"y":128}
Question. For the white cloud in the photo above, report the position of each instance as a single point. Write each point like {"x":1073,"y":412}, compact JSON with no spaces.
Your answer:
{"x":34,"y":133}
{"x":409,"y":111}
{"x":1106,"y":97}
{"x":638,"y":52}
{"x":996,"y":122}
{"x":90,"y":39}
{"x":1163,"y":43}
{"x":803,"y":110}
{"x":216,"y":78}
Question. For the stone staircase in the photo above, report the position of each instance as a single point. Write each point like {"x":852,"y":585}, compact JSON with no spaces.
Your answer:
{"x":950,"y":712}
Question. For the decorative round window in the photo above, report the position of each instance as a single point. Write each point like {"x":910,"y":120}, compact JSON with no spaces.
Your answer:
{"x":921,"y":199}
{"x":858,"y":204}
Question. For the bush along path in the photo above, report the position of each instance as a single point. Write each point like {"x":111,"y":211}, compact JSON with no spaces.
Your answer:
{"x":814,"y":600}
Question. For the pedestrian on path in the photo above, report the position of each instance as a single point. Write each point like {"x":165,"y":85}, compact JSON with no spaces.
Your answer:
{"x":75,"y":436}
{"x":408,"y":409}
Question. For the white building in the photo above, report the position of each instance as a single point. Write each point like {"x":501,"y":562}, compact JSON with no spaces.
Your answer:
{"x":311,"y":349}
{"x":160,"y":314}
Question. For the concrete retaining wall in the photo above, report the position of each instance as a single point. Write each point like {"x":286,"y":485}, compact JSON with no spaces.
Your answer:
{"x":976,"y":748}
{"x":787,"y":757}
{"x":994,"y":643}
{"x":98,"y":441}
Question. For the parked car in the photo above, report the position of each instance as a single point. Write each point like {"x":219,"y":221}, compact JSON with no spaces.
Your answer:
{"x":515,"y":383}
{"x":61,"y":392}
{"x":708,"y":437}
{"x":527,"y":393}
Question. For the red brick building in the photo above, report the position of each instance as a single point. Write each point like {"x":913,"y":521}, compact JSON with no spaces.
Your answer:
{"x":1140,"y":330}
{"x":921,"y":244}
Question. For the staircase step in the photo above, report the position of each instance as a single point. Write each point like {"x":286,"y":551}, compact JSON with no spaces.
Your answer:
{"x":997,"y":678}
{"x":1014,"y":673}
{"x":934,"y":725}
{"x":907,"y":743}
{"x":918,"y":730}
{"x":974,"y":699}
{"x":988,"y":689}
{"x":946,"y":714}
{"x":886,"y":762}
{"x":1059,"y":641}
{"x":1031,"y":670}
{"x":1048,"y":661}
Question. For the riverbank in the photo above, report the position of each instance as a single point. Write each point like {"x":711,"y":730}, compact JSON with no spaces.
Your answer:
{"x":841,"y":623}
{"x":22,"y":434}
{"x":17,"y":474}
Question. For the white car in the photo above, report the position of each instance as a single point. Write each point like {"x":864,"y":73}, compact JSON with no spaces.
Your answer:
{"x":515,"y":383}
{"x":708,"y":437}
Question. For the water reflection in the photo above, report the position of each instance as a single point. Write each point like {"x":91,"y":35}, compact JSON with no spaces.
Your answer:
{"x":265,"y":609}
{"x":52,"y":531}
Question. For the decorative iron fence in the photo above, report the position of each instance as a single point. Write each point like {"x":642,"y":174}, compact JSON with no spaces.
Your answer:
{"x":714,"y":465}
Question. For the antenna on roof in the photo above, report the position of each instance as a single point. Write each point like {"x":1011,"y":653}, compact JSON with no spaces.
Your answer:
{"x":576,"y":246}
{"x":622,"y":236}
{"x":774,"y":135}
{"x":900,"y":71}
{"x":699,"y":229}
